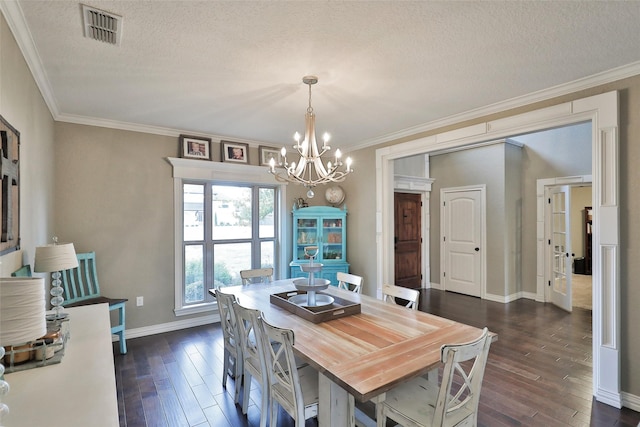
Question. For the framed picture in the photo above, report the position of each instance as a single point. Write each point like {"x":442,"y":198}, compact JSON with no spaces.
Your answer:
{"x":268,"y":153}
{"x":195,"y":147}
{"x":234,"y":152}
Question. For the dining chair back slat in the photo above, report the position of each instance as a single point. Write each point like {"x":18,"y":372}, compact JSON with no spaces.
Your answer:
{"x":257,"y":275}
{"x":295,"y":389}
{"x":350,"y":282}
{"x":454,"y":402}
{"x":391,"y":292}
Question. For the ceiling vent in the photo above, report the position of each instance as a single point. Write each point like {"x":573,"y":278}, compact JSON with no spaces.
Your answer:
{"x":100,"y":25}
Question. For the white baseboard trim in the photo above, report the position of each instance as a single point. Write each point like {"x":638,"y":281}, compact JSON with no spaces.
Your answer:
{"x":509,"y":298}
{"x":171,"y":326}
{"x":631,"y":401}
{"x":436,"y":286}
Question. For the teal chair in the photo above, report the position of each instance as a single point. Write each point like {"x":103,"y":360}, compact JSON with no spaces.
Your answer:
{"x":81,"y":287}
{"x":24,"y":271}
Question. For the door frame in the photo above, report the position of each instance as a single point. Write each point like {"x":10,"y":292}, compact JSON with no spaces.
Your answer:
{"x":483,"y":230}
{"x":602,"y":112}
{"x":543,"y":186}
{"x":422,"y":186}
{"x":424,"y":246}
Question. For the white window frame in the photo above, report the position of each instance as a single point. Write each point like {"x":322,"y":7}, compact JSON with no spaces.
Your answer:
{"x":190,"y":170}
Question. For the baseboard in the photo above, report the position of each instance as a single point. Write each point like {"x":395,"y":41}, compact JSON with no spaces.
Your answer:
{"x":509,"y":298}
{"x":171,"y":326}
{"x":631,"y":401}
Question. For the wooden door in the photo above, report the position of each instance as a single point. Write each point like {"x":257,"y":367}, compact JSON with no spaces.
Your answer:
{"x":462,"y":237}
{"x":408,"y":240}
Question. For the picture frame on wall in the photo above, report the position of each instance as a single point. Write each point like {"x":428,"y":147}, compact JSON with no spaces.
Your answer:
{"x":236,"y":152}
{"x":195,"y":147}
{"x":268,"y":153}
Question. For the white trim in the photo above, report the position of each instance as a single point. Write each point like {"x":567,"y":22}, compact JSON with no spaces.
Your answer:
{"x":602,"y":111}
{"x":220,"y":171}
{"x":631,"y":401}
{"x":17,"y":23}
{"x":504,"y":299}
{"x":608,"y":76}
{"x":173,"y":326}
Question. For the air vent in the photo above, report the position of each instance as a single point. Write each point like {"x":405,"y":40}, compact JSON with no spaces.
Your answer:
{"x":100,"y":25}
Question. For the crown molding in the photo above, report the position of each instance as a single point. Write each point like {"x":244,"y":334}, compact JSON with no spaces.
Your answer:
{"x":15,"y":19}
{"x":612,"y":75}
{"x":153,"y":130}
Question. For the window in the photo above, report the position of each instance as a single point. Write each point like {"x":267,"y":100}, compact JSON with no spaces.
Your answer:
{"x":227,"y":228}
{"x":222,"y":227}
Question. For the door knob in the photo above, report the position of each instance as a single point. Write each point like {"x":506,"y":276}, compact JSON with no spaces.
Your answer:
{"x":476,"y":249}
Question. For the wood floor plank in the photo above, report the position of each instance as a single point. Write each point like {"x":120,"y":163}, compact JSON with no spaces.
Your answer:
{"x":538,"y":372}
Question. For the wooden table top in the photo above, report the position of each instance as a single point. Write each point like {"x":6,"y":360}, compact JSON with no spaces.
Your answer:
{"x":368,"y":353}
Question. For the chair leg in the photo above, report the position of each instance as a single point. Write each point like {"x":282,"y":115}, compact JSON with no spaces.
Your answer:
{"x":239,"y":378}
{"x":123,"y":343}
{"x":264,"y":407}
{"x":119,"y":329}
{"x":225,"y":368}
{"x":246,"y":388}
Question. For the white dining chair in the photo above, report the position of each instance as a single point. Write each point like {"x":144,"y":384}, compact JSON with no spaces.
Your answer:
{"x":232,"y":347}
{"x":350,"y":282}
{"x":257,"y":275}
{"x":421,"y":402}
{"x":391,"y":292}
{"x":251,"y":335}
{"x":295,"y":389}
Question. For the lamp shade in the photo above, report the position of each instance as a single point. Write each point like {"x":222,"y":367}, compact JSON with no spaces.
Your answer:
{"x":52,"y":258}
{"x":22,"y":310}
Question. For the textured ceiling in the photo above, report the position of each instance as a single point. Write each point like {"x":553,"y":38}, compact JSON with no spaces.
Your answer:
{"x":233,"y":69}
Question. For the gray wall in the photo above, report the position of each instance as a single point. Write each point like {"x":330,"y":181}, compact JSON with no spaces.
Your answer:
{"x":483,"y":165}
{"x":22,"y":106}
{"x":553,"y":153}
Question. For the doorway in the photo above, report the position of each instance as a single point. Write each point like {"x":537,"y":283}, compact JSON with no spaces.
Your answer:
{"x":408,"y":240}
{"x":601,"y":111}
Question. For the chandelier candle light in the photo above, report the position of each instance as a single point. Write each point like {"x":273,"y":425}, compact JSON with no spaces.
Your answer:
{"x":310,"y":169}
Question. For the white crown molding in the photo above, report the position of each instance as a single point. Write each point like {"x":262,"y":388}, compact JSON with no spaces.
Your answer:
{"x":602,"y":78}
{"x":153,"y":130}
{"x":15,"y":18}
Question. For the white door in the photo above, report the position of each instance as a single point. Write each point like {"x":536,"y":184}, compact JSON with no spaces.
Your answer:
{"x":462,"y":227}
{"x":560,"y":241}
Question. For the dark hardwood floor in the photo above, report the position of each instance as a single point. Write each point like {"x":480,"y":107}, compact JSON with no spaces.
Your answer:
{"x":538,"y":372}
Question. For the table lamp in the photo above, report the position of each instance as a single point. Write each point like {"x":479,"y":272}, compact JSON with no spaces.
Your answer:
{"x":54,"y":259}
{"x":22,"y":308}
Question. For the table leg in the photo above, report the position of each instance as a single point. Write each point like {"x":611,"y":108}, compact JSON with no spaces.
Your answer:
{"x":336,"y":406}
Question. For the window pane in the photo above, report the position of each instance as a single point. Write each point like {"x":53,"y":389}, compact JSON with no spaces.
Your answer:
{"x":228,"y":260}
{"x":193,"y":196}
{"x":266,"y":203}
{"x":193,"y":274}
{"x":266,"y":254}
{"x":231,"y":212}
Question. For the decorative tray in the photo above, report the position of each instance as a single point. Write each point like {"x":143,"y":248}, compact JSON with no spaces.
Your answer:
{"x":338,"y":308}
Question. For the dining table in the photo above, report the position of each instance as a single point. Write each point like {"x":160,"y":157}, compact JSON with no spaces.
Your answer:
{"x":359,"y":356}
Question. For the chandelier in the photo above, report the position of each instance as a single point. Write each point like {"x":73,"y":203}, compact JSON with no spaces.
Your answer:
{"x":311,"y":169}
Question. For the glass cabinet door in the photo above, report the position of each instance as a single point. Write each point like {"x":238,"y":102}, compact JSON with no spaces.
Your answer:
{"x":332,"y":236}
{"x":307,"y":235}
